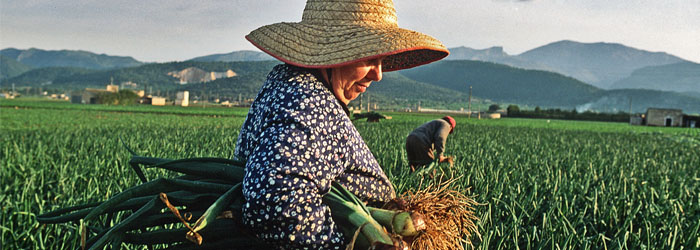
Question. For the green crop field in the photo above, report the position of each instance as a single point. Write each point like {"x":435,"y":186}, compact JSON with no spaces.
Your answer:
{"x":541,"y":184}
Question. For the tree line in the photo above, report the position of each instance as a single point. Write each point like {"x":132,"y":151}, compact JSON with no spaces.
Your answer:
{"x":515,"y":111}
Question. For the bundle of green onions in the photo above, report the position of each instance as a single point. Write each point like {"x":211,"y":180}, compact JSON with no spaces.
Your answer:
{"x":159,"y":212}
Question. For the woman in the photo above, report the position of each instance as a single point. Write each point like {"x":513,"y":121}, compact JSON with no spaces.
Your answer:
{"x":298,"y":137}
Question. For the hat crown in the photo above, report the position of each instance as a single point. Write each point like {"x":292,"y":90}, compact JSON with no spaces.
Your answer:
{"x":349,"y":12}
{"x":450,"y":120}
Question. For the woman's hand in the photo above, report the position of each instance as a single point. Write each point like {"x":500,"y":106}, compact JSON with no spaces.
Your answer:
{"x":448,"y":159}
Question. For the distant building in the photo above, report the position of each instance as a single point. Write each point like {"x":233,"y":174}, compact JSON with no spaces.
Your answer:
{"x":183,"y":98}
{"x":57,"y":96}
{"x":445,"y":111}
{"x":158,"y":101}
{"x":691,"y":121}
{"x":154,"y":100}
{"x":113,"y":88}
{"x":637,"y":120}
{"x":664,"y":117}
{"x":493,"y":115}
{"x":76,"y":98}
{"x":91,"y":96}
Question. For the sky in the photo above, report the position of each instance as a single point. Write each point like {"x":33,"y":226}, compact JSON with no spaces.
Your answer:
{"x":178,"y":30}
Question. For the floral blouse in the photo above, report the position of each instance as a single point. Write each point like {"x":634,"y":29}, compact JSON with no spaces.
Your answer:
{"x":296,"y":140}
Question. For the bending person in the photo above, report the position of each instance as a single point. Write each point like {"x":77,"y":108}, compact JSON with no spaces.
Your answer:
{"x":428,"y":141}
{"x":298,"y":137}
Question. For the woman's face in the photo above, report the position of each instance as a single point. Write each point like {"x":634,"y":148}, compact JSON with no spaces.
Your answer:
{"x":349,"y":81}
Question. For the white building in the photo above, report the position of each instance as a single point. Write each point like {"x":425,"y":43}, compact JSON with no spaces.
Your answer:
{"x":183,"y":98}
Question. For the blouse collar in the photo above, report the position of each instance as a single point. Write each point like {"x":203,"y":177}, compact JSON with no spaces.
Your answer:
{"x":319,"y":77}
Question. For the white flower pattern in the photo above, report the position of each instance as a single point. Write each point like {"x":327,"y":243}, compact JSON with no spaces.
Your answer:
{"x":297,"y":139}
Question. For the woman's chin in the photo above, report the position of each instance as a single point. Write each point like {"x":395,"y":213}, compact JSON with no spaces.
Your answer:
{"x":353,"y":96}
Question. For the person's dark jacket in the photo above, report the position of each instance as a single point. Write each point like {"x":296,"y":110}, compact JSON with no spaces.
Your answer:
{"x":434,"y":133}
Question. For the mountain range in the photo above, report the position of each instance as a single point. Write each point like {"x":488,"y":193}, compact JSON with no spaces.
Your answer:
{"x":37,"y":58}
{"x":680,"y":77}
{"x":598,"y":64}
{"x":236,"y":56}
{"x":10,"y":67}
{"x":505,"y":84}
{"x":548,"y":76}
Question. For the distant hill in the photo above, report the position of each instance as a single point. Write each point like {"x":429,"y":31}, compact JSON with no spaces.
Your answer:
{"x":599,"y":64}
{"x":679,"y":77}
{"x":153,"y":75}
{"x":10,"y":67}
{"x":489,"y":54}
{"x":620,"y":99}
{"x":494,"y":55}
{"x":236,"y":56}
{"x":398,"y":90}
{"x":38,"y":58}
{"x":47,"y":76}
{"x":503,"y":83}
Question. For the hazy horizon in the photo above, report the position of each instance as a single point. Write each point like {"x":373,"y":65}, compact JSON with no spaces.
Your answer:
{"x":177,"y":30}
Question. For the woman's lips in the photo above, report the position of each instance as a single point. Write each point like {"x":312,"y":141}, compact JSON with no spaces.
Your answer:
{"x":362,"y":87}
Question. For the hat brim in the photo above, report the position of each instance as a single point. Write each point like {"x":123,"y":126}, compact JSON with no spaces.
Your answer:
{"x":316,"y":46}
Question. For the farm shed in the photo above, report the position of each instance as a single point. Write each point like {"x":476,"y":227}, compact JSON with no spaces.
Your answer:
{"x":154,"y":100}
{"x":158,"y":101}
{"x":664,"y":117}
{"x":637,"y":120}
{"x":90,"y":96}
{"x":691,"y":121}
{"x":493,"y":115}
{"x":76,"y":99}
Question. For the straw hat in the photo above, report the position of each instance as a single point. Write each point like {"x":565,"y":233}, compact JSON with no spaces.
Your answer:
{"x":341,"y":32}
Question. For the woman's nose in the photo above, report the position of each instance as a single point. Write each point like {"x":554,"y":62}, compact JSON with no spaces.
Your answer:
{"x":375,"y":73}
